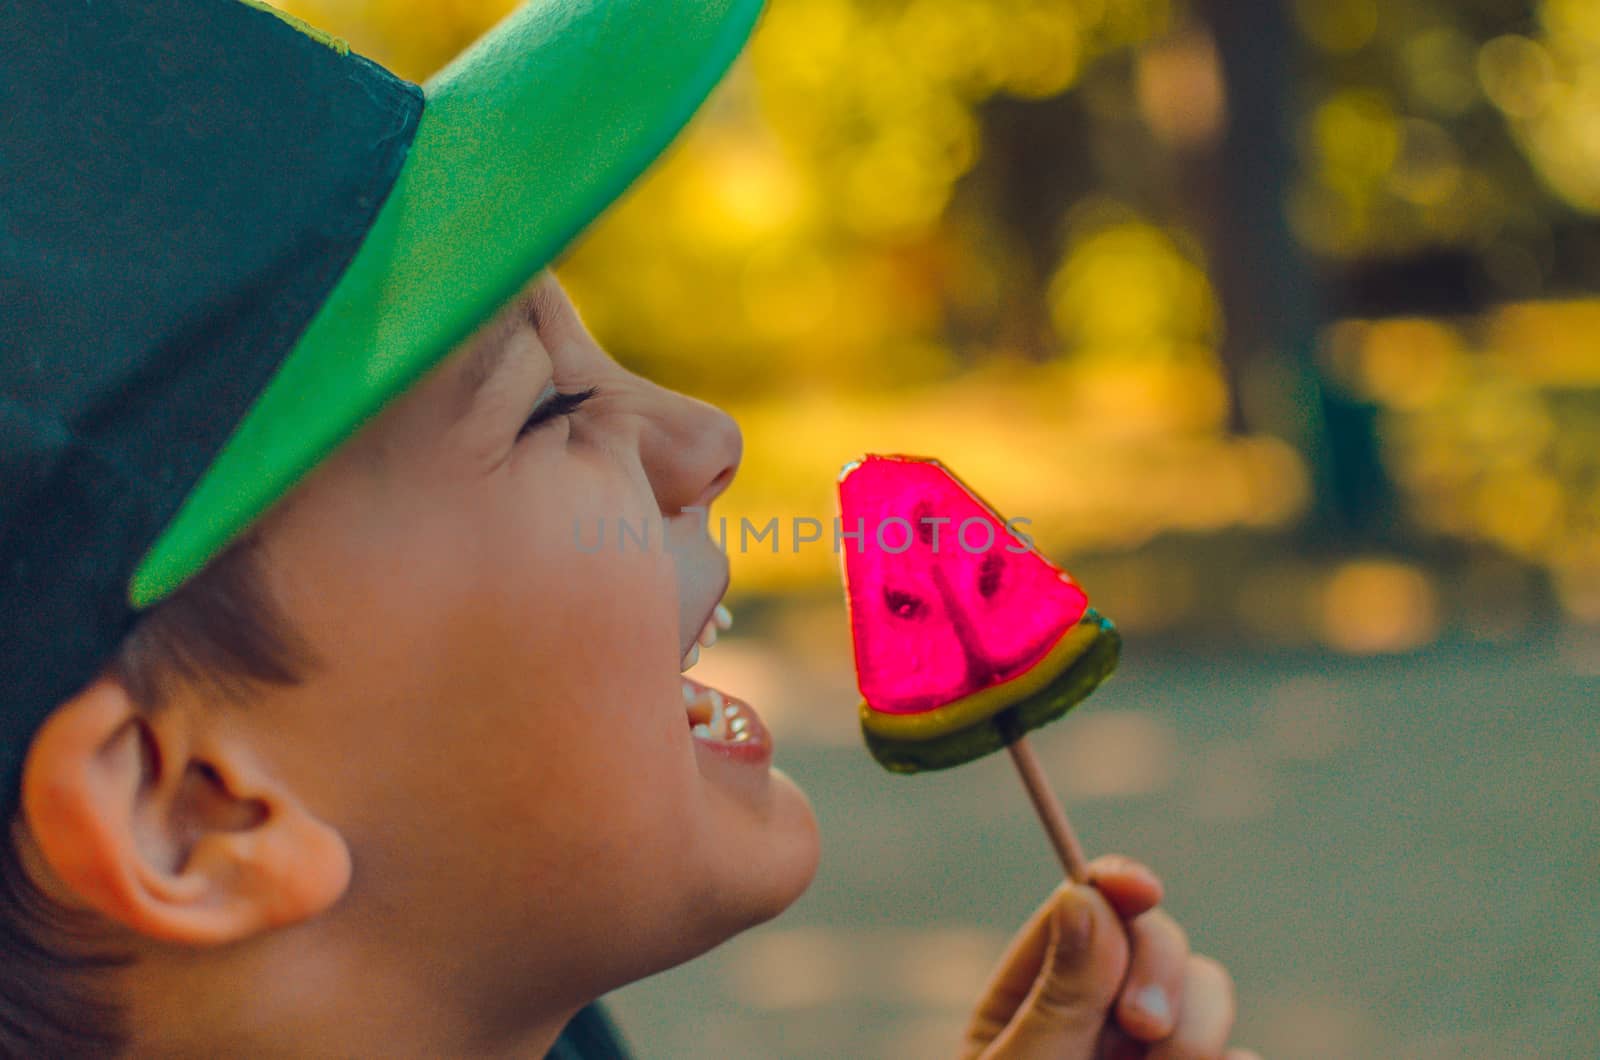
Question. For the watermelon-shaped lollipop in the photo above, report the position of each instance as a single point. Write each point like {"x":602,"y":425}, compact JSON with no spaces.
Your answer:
{"x":965,"y":637}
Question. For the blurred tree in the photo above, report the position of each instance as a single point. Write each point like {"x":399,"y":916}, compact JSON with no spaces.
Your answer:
{"x":1448,"y":142}
{"x":1094,"y":244}
{"x":1271,"y":298}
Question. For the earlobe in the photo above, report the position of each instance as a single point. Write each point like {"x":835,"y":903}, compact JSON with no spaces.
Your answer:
{"x":167,"y":826}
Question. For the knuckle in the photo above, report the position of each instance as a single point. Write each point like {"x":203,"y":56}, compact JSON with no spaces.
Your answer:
{"x":1161,"y":925}
{"x":1180,"y":937}
{"x":1213,"y":972}
{"x":1110,"y":865}
{"x":1065,"y":1009}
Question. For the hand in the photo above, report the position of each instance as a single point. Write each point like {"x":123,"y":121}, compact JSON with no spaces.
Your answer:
{"x":1100,"y":973}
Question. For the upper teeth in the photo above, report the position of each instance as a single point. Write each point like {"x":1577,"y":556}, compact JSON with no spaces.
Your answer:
{"x":721,"y":619}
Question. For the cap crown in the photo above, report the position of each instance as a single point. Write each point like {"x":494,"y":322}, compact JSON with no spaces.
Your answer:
{"x":181,"y":183}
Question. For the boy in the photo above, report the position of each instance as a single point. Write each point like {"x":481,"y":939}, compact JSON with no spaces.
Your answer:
{"x":322,"y":737}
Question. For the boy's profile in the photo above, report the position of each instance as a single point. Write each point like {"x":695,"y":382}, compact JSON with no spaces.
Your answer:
{"x":320,"y":736}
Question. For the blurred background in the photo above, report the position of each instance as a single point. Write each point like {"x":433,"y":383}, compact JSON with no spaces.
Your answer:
{"x":1280,"y":322}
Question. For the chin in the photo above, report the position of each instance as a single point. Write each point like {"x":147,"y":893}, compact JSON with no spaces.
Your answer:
{"x":754,"y":882}
{"x":788,"y":864}
{"x":803,"y":849}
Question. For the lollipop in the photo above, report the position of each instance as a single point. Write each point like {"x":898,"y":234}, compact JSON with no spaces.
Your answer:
{"x":965,"y":637}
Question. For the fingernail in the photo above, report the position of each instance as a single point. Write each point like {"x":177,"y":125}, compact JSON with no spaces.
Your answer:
{"x":1152,"y":1001}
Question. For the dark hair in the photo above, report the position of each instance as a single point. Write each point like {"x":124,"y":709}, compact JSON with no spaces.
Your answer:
{"x":223,"y":633}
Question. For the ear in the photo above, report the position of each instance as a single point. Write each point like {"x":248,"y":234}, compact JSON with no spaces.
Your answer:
{"x":168,"y":825}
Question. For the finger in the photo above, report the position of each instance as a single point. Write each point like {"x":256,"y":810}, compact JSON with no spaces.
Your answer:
{"x":1084,"y":959}
{"x":1241,"y":1054}
{"x":1206,"y":1018}
{"x":1153,"y":995}
{"x":1014,"y":977}
{"x":1128,"y":885}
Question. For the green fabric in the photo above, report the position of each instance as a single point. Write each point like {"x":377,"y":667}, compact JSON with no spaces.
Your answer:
{"x":182,"y":184}
{"x":524,"y":139}
{"x":590,"y":1036}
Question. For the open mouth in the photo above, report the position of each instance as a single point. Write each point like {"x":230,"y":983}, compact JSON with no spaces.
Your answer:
{"x":717,"y":720}
{"x":719,"y":619}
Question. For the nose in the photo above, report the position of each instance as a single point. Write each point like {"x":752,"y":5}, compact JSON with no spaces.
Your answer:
{"x":690,"y":450}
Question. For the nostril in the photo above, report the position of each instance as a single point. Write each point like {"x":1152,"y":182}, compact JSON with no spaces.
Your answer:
{"x":713,"y":489}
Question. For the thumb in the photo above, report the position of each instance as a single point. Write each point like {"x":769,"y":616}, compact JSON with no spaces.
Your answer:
{"x":1068,"y":1005}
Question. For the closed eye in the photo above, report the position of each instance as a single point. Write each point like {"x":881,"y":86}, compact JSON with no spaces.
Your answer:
{"x":556,"y":406}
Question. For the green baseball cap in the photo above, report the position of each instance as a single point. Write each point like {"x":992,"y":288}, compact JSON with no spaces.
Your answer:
{"x":523,"y":140}
{"x":227,"y":240}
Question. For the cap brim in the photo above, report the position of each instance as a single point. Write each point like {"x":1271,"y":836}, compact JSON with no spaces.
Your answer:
{"x":524,"y":140}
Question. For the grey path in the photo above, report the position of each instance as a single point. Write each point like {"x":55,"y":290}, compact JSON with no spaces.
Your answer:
{"x":1396,"y":857}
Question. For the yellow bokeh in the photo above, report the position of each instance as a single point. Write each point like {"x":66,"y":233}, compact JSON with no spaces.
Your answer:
{"x":1375,"y":606}
{"x":1356,"y":137}
{"x":1493,"y":439}
{"x":821,"y":254}
{"x":1518,"y":75}
{"x":1407,"y":363}
{"x":1337,"y":25}
{"x":1548,"y":86}
{"x":1126,"y":289}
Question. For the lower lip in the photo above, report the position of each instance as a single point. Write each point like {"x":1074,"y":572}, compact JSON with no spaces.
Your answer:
{"x":752,"y":747}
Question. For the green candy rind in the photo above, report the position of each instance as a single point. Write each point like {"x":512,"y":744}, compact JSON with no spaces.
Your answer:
{"x":1074,"y":684}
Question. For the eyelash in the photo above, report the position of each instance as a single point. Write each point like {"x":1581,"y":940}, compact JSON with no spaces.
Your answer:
{"x":560,"y":405}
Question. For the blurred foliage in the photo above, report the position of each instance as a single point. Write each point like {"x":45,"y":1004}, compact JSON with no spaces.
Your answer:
{"x":982,"y":228}
{"x":1473,"y":124}
{"x":1492,"y":429}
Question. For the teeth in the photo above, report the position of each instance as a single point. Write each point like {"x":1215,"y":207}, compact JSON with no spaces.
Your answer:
{"x":721,"y":619}
{"x":719,"y":719}
{"x":713,"y":717}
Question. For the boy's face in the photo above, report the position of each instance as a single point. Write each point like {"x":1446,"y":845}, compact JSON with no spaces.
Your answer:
{"x":499,"y":730}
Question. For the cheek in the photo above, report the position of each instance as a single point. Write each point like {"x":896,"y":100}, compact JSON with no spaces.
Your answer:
{"x":519,"y":693}
{"x":589,"y":611}
{"x":574,"y":652}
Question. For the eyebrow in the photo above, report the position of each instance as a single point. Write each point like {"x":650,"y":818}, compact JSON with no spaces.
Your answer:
{"x":491,"y":351}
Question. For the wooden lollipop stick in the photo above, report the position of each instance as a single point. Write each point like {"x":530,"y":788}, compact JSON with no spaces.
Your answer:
{"x":1051,"y":815}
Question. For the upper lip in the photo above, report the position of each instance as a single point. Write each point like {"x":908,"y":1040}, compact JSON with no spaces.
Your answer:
{"x":692,"y":634}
